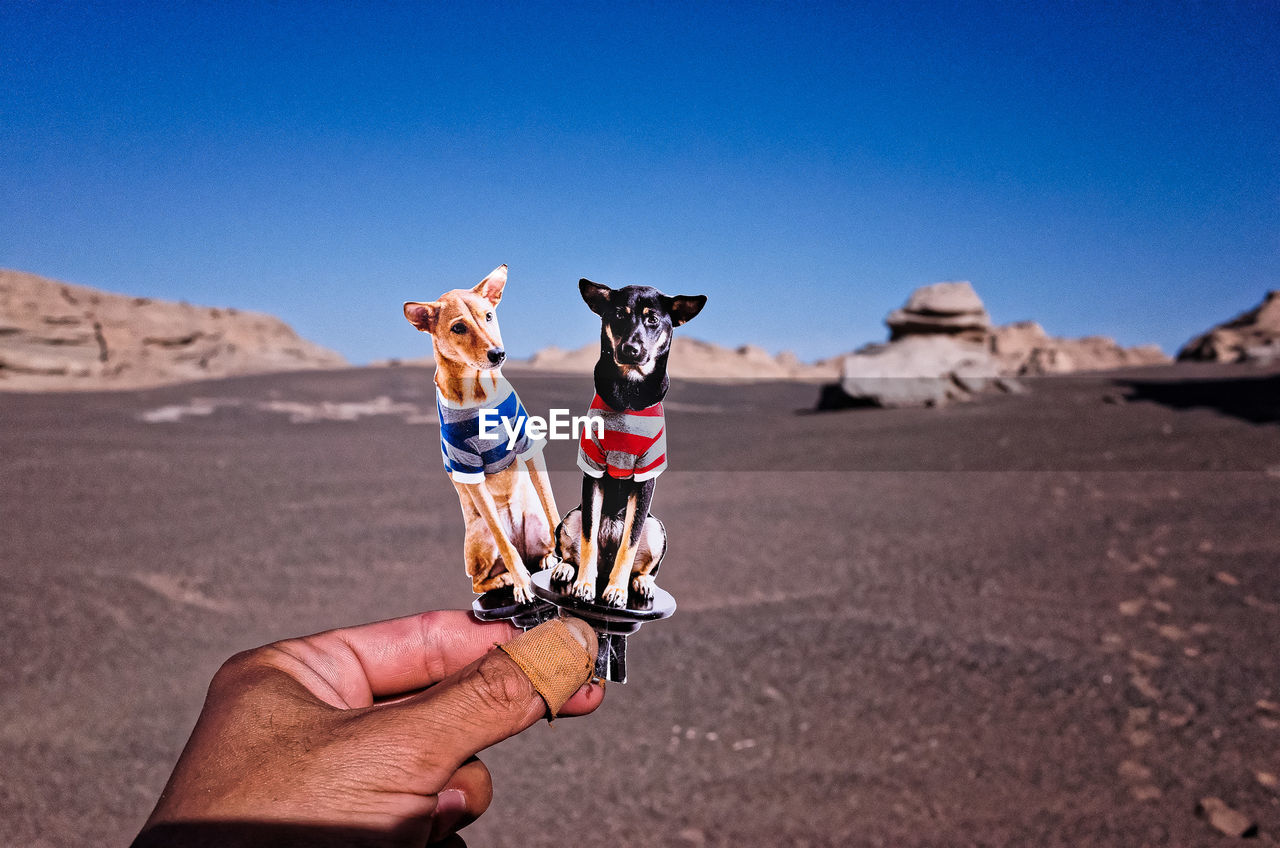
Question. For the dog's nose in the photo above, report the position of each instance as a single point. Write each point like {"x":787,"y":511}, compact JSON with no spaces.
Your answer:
{"x":630,"y":352}
{"x":496,"y":355}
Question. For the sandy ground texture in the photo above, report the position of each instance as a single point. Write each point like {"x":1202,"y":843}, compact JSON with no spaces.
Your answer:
{"x":1044,"y":619}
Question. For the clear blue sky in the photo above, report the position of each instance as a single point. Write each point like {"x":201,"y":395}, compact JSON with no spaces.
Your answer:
{"x":1099,"y":167}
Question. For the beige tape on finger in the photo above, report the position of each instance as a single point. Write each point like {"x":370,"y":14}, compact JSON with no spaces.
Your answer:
{"x":554,"y":661}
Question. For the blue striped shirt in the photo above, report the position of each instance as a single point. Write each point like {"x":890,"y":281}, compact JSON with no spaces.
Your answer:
{"x":468,"y":456}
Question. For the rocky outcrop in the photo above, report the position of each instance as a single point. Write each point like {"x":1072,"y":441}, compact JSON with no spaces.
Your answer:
{"x":578,"y":361}
{"x":948,"y":309}
{"x":1025,"y":349}
{"x":938,"y":352}
{"x":923,"y":370}
{"x":692,"y":359}
{"x":56,"y":336}
{"x":1251,"y":337}
{"x":943,"y":348}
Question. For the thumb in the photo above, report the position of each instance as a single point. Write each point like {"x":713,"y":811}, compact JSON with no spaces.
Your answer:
{"x":498,"y":695}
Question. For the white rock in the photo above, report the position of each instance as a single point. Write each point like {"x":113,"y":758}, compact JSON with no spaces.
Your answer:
{"x":918,"y":371}
{"x":951,"y":308}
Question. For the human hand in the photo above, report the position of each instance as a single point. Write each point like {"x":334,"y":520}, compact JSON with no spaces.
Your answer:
{"x":366,"y":734}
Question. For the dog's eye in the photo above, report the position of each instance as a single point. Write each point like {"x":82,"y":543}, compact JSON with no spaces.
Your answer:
{"x":459,"y":328}
{"x":488,"y":316}
{"x":651,"y":319}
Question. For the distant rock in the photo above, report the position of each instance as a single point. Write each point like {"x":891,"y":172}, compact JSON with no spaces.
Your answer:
{"x":938,"y":352}
{"x":693,"y":359}
{"x":56,"y":336}
{"x":926,"y":370}
{"x":1251,"y":337}
{"x":950,"y":309}
{"x":553,"y":358}
{"x":942,"y":348}
{"x":1025,"y":349}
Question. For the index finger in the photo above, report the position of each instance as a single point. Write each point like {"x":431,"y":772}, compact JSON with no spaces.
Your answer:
{"x":351,"y":666}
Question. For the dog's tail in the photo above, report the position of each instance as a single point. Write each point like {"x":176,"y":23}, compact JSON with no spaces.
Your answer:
{"x":663,"y":528}
{"x":559,"y":530}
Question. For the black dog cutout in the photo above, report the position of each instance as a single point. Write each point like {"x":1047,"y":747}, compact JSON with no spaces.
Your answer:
{"x":621,"y":468}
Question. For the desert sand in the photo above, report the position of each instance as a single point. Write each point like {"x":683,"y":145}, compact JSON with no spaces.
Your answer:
{"x":1043,"y":619}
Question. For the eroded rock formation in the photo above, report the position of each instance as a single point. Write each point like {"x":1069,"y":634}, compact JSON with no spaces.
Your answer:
{"x":1253,"y":336}
{"x":57,"y":336}
{"x":942,"y":348}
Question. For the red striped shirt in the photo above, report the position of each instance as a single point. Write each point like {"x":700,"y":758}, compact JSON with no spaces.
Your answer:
{"x":634,"y":445}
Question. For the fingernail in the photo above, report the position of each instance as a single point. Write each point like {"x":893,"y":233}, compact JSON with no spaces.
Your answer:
{"x":593,"y":683}
{"x":557,"y":656}
{"x":451,"y":805}
{"x":581,"y":631}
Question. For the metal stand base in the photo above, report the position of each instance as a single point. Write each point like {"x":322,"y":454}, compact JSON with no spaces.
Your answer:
{"x":612,"y":624}
{"x":500,"y":605}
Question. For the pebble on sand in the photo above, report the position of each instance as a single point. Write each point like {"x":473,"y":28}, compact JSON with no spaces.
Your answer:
{"x":1141,"y":738}
{"x":1145,"y":687}
{"x":1131,"y":607}
{"x":1226,"y":820}
{"x":1135,"y":771}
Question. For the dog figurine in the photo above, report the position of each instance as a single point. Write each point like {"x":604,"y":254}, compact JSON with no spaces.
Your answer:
{"x":620,"y":469}
{"x":502,"y":483}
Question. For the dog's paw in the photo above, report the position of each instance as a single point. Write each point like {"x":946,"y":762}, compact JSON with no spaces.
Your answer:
{"x":548,"y":561}
{"x":523,"y":593}
{"x":615,"y":596}
{"x":562,"y":572}
{"x":643,"y":586}
{"x":488,"y":584}
{"x":584,"y":591}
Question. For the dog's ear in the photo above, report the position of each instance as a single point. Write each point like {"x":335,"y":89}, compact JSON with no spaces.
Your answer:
{"x":490,"y":288}
{"x":595,"y":294}
{"x":683,"y":308}
{"x":422,"y":315}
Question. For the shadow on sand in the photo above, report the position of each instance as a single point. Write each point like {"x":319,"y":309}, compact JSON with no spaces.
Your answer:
{"x":236,"y":834}
{"x":1254,"y":399}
